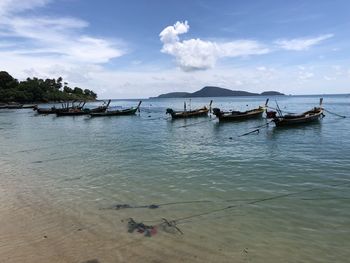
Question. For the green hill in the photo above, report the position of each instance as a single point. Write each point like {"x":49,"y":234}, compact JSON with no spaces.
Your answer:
{"x":212,"y":91}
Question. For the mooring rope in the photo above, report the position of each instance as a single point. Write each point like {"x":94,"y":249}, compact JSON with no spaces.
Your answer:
{"x":336,"y":114}
{"x":195,"y":123}
{"x":156,"y":118}
{"x":253,"y":202}
{"x":256,"y":129}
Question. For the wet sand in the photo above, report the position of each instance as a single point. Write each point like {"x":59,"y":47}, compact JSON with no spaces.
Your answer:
{"x":33,"y":231}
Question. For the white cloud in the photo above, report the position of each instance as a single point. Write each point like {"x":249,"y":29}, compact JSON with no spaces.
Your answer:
{"x":305,"y":72}
{"x":261,"y":68}
{"x":305,"y":75}
{"x":10,"y":6}
{"x":328,"y":78}
{"x":51,"y":37}
{"x":299,"y":44}
{"x":197,"y":54}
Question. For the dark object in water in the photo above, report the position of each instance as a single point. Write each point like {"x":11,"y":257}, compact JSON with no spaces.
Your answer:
{"x":92,"y":261}
{"x":154,"y":206}
{"x":123,"y":206}
{"x":188,"y":114}
{"x":141,"y":228}
{"x":256,"y":130}
{"x":149,"y":230}
{"x":240,"y":115}
{"x":170,"y":225}
{"x":299,"y":119}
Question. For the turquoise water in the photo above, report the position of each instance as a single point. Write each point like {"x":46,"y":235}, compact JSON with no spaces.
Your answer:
{"x":77,"y":166}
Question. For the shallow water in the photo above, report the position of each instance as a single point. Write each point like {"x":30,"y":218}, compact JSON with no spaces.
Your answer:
{"x":59,"y":173}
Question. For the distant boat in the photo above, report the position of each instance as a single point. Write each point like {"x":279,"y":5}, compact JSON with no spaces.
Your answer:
{"x":46,"y":110}
{"x":307,"y":117}
{"x":240,"y":115}
{"x":65,"y":107}
{"x":72,"y":112}
{"x":29,"y":106}
{"x":129,"y":111}
{"x":14,"y":105}
{"x":201,"y":112}
{"x":81,"y":111}
{"x":3,"y":106}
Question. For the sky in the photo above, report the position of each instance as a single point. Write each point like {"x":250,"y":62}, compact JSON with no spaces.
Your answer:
{"x":138,"y":48}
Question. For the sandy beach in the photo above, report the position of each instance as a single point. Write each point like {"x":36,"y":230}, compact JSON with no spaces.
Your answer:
{"x":33,"y":231}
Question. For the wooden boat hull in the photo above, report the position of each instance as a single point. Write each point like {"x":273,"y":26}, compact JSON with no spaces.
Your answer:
{"x":29,"y":106}
{"x":79,"y":112}
{"x":52,"y":110}
{"x":188,"y":114}
{"x":129,"y":111}
{"x":98,"y":109}
{"x":45,"y":111}
{"x":71,"y":113}
{"x":114,"y":113}
{"x":305,"y":118}
{"x":14,"y":106}
{"x":240,"y":116}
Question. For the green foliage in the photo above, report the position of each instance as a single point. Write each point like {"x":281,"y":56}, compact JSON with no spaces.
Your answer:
{"x":39,"y":90}
{"x":78,"y":91}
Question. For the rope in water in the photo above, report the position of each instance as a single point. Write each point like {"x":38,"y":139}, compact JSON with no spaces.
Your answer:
{"x":341,"y":116}
{"x":256,"y":129}
{"x":153,"y":206}
{"x":175,"y":221}
{"x":195,"y":123}
{"x":156,"y":118}
{"x":150,"y":230}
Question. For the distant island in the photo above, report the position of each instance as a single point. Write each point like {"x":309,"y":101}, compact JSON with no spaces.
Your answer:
{"x":211,"y":91}
{"x":40,"y":90}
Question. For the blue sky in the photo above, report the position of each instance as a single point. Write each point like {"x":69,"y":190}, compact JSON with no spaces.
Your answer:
{"x":134,"y":48}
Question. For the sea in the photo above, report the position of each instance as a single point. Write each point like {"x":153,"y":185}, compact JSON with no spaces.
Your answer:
{"x":69,"y":186}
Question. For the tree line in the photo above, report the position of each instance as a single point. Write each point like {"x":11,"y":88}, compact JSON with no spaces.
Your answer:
{"x":40,"y":90}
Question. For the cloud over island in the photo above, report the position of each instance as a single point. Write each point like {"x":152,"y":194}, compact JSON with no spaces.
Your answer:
{"x":197,"y":54}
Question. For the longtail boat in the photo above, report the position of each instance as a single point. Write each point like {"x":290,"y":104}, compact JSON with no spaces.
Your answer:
{"x":310,"y":116}
{"x":14,"y":105}
{"x":240,"y":115}
{"x":51,"y":110}
{"x":65,"y":107}
{"x":201,"y":112}
{"x":81,"y":111}
{"x":129,"y":111}
{"x":72,"y":112}
{"x":29,"y":106}
{"x":3,"y":106}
